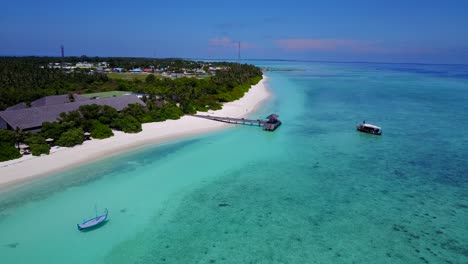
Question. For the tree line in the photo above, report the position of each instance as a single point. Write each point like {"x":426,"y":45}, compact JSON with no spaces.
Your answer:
{"x":24,"y":82}
{"x":25,"y":79}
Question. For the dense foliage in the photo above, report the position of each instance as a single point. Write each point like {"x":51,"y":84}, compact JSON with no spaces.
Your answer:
{"x":9,"y":140}
{"x":70,"y":138}
{"x":24,"y":82}
{"x":8,"y":152}
{"x":100,"y":120}
{"x":7,"y":136}
{"x":126,"y":123}
{"x":26,"y":79}
{"x":37,"y":144}
{"x":52,"y":130}
{"x":100,"y":131}
{"x":167,"y":111}
{"x":7,"y":146}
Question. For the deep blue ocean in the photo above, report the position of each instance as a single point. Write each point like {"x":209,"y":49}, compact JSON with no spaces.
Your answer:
{"x":314,"y":191}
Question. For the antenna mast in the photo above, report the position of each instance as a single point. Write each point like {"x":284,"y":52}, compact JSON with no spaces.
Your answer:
{"x":238,"y":52}
{"x":62,"y":50}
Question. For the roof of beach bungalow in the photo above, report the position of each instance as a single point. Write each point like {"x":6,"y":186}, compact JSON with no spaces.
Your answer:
{"x":272,"y":116}
{"x":57,"y":99}
{"x":17,"y":106}
{"x":49,"y":100}
{"x":32,"y":118}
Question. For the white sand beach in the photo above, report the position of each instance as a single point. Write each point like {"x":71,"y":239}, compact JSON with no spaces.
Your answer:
{"x":60,"y":159}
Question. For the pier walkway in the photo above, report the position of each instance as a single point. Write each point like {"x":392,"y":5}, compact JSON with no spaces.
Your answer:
{"x":271,"y":124}
{"x":241,"y":121}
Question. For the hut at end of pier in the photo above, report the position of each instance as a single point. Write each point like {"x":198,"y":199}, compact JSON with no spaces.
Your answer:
{"x":272,"y":123}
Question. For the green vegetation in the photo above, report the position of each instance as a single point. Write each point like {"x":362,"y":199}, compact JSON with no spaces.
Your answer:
{"x":100,"y":131}
{"x":165,"y":112}
{"x":203,"y":76}
{"x":100,"y":120}
{"x":150,"y":78}
{"x":238,"y":91}
{"x":8,"y":139}
{"x":7,"y":136}
{"x":37,"y":144}
{"x":52,"y":130}
{"x":106,"y":94}
{"x":70,"y":138}
{"x":22,"y":80}
{"x":7,"y":146}
{"x":127,"y":124}
{"x":128,"y":76}
{"x":26,"y":79}
{"x":40,"y":149}
{"x":8,"y":152}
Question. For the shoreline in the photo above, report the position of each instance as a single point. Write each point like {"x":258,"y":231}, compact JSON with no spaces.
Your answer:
{"x":61,"y":159}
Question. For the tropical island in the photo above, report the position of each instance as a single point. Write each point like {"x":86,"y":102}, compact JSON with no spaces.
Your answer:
{"x":60,"y":102}
{"x":50,"y":113}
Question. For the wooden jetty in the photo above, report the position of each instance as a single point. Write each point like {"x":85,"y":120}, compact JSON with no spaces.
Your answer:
{"x":270,"y":124}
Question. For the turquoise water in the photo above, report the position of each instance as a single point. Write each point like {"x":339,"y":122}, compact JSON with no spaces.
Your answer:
{"x":314,"y":191}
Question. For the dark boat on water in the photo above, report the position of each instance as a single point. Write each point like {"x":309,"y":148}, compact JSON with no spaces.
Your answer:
{"x":94,"y":222}
{"x":370,"y":129}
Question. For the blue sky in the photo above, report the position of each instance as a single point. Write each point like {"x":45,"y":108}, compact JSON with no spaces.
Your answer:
{"x":360,"y":30}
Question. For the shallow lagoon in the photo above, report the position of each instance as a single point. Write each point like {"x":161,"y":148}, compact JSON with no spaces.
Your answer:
{"x":315,"y":191}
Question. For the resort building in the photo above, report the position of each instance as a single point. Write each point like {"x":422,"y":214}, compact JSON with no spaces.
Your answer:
{"x":103,"y":64}
{"x":84,"y":64}
{"x":48,"y":109}
{"x":50,"y":100}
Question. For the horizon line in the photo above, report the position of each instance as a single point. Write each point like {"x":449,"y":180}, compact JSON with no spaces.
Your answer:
{"x":337,"y":61}
{"x":235,"y":59}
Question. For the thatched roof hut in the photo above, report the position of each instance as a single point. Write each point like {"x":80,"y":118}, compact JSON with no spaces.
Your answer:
{"x":272,"y":117}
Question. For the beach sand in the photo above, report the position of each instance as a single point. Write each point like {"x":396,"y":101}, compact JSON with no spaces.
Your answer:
{"x":60,"y":158}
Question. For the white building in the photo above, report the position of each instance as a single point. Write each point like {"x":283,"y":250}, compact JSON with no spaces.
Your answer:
{"x":103,"y":64}
{"x":84,"y":64}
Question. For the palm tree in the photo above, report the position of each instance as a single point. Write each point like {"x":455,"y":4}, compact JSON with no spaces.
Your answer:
{"x":19,"y":136}
{"x":71,"y":97}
